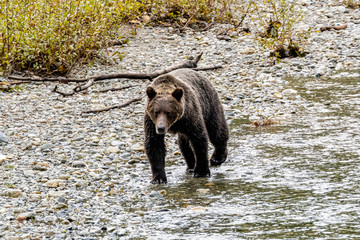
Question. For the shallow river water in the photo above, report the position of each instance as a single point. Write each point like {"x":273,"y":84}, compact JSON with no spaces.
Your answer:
{"x":295,"y":180}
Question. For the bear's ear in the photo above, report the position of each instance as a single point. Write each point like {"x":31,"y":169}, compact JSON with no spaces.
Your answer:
{"x":178,"y":93}
{"x":151,"y":93}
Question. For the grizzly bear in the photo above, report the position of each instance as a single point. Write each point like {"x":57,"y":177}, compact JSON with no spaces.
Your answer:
{"x":184,"y":102}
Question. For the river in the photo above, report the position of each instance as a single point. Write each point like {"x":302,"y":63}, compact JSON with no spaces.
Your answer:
{"x":294,"y":180}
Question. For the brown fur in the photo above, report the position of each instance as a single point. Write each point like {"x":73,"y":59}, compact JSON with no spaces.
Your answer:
{"x":184,"y":102}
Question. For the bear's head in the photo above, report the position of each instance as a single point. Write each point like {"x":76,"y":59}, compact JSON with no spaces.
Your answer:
{"x":165,"y":106}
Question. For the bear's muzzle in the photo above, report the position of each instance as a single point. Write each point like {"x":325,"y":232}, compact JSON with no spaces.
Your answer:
{"x":161,"y":124}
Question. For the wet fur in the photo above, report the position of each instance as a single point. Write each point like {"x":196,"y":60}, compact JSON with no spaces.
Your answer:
{"x":199,"y":118}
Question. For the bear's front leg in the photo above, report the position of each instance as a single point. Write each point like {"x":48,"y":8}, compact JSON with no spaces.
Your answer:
{"x":155,"y":151}
{"x":200,"y":146}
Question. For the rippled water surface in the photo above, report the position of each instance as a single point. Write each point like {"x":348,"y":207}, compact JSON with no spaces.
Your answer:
{"x":296,"y":180}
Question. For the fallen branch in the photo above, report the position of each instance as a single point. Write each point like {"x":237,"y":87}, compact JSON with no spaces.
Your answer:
{"x":64,"y":94}
{"x":46,"y":79}
{"x":192,"y":63}
{"x":116,"y":89}
{"x":18,"y":82}
{"x":88,"y":82}
{"x":115,"y":106}
{"x":207,"y":68}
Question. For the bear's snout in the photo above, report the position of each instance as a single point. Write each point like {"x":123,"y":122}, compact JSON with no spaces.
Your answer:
{"x":161,"y":127}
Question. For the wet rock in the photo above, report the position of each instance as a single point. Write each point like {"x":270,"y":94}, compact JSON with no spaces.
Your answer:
{"x":198,"y":208}
{"x":203,"y":190}
{"x":3,"y":138}
{"x":155,"y":194}
{"x":289,"y":93}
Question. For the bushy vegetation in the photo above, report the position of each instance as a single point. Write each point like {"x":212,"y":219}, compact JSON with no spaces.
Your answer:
{"x":278,"y":24}
{"x":51,"y":35}
{"x":352,"y":3}
{"x":185,"y":11}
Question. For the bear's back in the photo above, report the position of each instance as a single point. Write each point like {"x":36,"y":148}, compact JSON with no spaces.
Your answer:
{"x":201,"y":88}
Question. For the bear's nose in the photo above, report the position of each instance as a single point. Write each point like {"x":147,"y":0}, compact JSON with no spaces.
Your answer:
{"x":161,"y":129}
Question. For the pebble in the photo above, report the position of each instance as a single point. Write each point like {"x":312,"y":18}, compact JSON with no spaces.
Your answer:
{"x":52,"y":184}
{"x":117,"y":143}
{"x":25,"y":216}
{"x":79,"y":164}
{"x":57,"y":193}
{"x":247,"y":51}
{"x":47,"y":146}
{"x":13,"y":193}
{"x":112,"y":149}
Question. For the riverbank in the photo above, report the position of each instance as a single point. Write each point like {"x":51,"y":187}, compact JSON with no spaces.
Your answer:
{"x":69,"y":175}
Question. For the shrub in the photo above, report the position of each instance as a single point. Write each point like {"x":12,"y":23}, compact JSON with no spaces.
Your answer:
{"x":352,"y":3}
{"x":51,"y":35}
{"x":278,"y":23}
{"x":182,"y":11}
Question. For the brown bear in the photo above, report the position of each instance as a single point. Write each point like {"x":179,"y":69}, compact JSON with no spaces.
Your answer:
{"x":184,"y":102}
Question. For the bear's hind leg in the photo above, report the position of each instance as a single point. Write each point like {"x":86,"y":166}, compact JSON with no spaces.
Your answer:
{"x":187,"y":152}
{"x":199,"y":143}
{"x":218,"y":135}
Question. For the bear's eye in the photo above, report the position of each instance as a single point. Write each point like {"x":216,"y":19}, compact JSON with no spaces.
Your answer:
{"x":167,"y":113}
{"x":157,"y":112}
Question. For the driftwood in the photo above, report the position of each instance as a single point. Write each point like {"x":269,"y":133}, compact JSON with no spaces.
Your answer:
{"x":328,"y":28}
{"x":116,"y":89}
{"x":84,"y":84}
{"x":112,"y":107}
{"x":88,"y":82}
